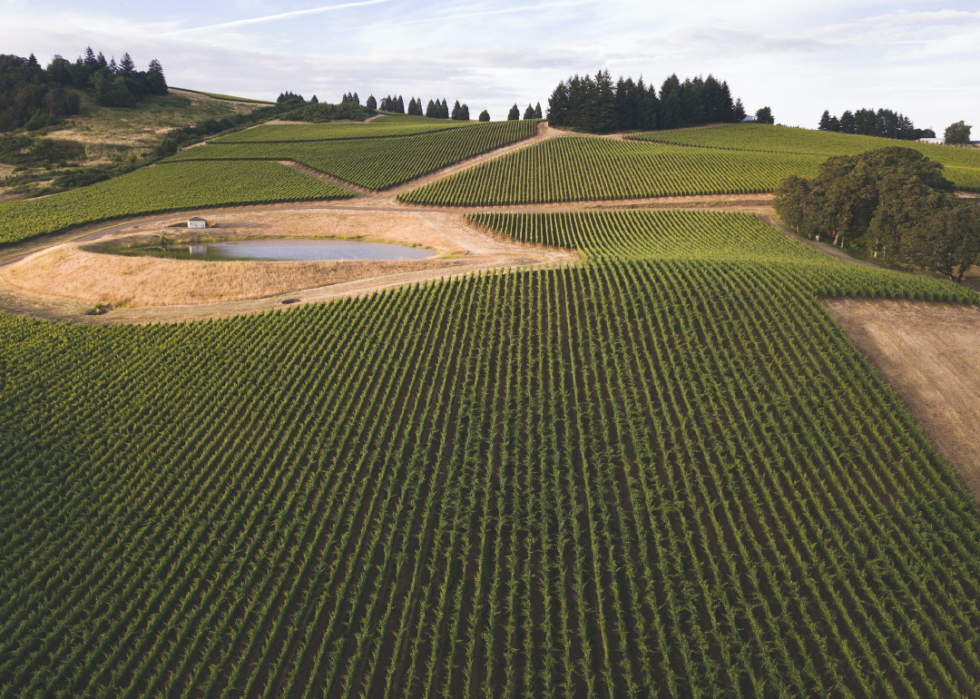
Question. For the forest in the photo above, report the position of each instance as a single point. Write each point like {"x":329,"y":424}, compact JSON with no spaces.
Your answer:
{"x":35,"y":97}
{"x":597,"y":105}
{"x":867,"y":122}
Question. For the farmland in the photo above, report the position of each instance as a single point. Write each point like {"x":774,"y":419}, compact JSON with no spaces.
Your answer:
{"x":379,"y":128}
{"x":376,"y":163}
{"x":162,"y":188}
{"x":962,"y":164}
{"x":585,"y":169}
{"x":665,"y":471}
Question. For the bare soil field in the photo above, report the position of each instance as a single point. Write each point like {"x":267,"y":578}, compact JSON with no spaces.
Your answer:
{"x":930,"y":355}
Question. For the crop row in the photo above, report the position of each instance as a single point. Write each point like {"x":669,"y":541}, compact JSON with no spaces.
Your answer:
{"x":162,"y":188}
{"x":377,"y":163}
{"x":730,"y":238}
{"x":585,"y":169}
{"x":654,"y":477}
{"x":963,"y":164}
{"x":378,"y":128}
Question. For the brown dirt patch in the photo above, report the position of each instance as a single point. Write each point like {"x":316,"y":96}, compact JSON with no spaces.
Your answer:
{"x":64,"y":280}
{"x":930,"y":355}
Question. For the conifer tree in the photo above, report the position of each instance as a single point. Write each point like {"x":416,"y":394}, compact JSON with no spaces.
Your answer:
{"x":444,"y":112}
{"x":529,"y":112}
{"x":455,"y":112}
{"x":484,"y":115}
{"x":537,"y":111}
{"x":431,"y":111}
{"x":514,"y":114}
{"x":126,"y":65}
{"x":371,"y":102}
{"x":464,"y":113}
{"x":399,"y":106}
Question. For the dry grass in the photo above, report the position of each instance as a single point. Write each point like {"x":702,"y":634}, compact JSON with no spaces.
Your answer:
{"x":930,"y":354}
{"x":146,"y":281}
{"x":84,"y":274}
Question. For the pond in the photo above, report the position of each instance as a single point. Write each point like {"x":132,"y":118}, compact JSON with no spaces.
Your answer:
{"x":295,"y":249}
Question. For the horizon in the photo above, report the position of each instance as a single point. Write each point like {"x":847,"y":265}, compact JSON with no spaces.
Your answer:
{"x":908,"y":57}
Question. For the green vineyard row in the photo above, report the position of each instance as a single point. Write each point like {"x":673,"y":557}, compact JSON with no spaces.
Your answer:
{"x":586,"y":169}
{"x":377,"y":163}
{"x":962,"y":164}
{"x":162,"y":188}
{"x":658,"y":473}
{"x":378,"y":128}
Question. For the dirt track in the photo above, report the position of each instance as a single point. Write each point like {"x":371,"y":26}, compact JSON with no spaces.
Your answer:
{"x":930,"y":355}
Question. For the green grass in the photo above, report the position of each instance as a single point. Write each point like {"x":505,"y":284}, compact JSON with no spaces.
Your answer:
{"x":963,"y":164}
{"x":583,"y":168}
{"x":376,"y":163}
{"x":663,"y":472}
{"x":379,"y":128}
{"x":161,"y":188}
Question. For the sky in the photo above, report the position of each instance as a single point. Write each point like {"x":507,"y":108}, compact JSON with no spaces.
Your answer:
{"x":799,"y":58}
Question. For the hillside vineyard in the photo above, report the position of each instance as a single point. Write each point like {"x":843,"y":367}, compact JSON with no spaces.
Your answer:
{"x":376,"y":163}
{"x":662,"y":472}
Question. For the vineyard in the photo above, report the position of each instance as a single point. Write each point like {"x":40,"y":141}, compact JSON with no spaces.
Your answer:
{"x":379,"y":128}
{"x":962,"y":164}
{"x":162,"y":188}
{"x":586,"y":169}
{"x":663,"y":472}
{"x":377,"y":163}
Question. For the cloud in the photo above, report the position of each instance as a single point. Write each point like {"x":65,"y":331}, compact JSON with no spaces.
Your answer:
{"x":280,"y":16}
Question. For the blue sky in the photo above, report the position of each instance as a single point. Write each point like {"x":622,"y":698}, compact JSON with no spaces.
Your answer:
{"x":920,"y":58}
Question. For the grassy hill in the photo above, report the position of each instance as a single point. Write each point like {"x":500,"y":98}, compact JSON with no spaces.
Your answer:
{"x":106,"y":137}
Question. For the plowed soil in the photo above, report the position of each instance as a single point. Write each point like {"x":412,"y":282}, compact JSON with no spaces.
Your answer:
{"x":930,"y":354}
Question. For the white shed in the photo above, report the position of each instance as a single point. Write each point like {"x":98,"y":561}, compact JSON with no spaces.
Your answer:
{"x":751,"y":117}
{"x":937,"y":141}
{"x":197,"y":222}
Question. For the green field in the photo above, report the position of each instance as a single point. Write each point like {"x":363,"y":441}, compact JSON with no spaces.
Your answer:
{"x":664,"y":472}
{"x":377,"y":163}
{"x":584,"y":169}
{"x":162,"y":188}
{"x":963,"y":164}
{"x":332,"y":131}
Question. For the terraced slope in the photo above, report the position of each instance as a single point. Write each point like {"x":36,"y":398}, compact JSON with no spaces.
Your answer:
{"x":162,"y":188}
{"x":376,"y":163}
{"x":962,"y":164}
{"x":666,"y":472}
{"x":586,"y":169}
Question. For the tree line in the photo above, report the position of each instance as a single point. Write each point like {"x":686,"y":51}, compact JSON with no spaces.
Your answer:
{"x":892,"y":204}
{"x":867,"y":122}
{"x":35,"y":97}
{"x":597,"y":104}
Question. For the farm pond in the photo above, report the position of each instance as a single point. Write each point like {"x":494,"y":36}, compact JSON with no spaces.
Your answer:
{"x":293,"y":249}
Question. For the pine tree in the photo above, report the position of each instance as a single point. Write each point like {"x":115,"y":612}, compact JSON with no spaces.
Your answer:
{"x":455,"y":112}
{"x":32,"y":62}
{"x":529,"y":112}
{"x":444,"y":112}
{"x":464,"y":113}
{"x":670,"y":103}
{"x":90,"y":60}
{"x":514,"y":114}
{"x":739,"y":110}
{"x":371,"y":102}
{"x":102,"y":61}
{"x":400,"y":105}
{"x":126,"y":65}
{"x":537,"y":111}
{"x":357,"y":100}
{"x":314,"y":100}
{"x":824,"y":121}
{"x":113,"y":68}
